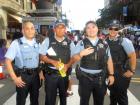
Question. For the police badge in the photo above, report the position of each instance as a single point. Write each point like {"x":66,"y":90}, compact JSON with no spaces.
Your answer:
{"x":65,"y":43}
{"x":101,"y":45}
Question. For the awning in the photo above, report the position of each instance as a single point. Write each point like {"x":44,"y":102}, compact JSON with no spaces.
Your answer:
{"x":19,"y":19}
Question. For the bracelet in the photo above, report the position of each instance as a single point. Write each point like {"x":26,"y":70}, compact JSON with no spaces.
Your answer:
{"x":132,"y":71}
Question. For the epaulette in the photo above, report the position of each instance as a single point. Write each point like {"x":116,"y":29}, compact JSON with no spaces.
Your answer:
{"x":19,"y":41}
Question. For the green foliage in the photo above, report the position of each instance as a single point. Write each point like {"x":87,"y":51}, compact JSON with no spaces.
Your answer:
{"x":107,"y":14}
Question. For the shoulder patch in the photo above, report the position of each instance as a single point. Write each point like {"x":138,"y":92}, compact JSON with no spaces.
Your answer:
{"x":81,"y":43}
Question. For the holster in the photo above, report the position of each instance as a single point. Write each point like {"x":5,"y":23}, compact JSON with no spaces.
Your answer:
{"x":77,"y":71}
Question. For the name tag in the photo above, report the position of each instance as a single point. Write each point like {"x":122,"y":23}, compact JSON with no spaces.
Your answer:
{"x":26,"y":46}
{"x":36,"y":45}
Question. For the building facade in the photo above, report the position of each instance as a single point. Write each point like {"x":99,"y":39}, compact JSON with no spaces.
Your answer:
{"x":11,"y":13}
{"x":130,"y":10}
{"x":46,"y":13}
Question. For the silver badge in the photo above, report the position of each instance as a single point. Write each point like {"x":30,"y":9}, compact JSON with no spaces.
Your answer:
{"x":64,"y":43}
{"x":101,"y":45}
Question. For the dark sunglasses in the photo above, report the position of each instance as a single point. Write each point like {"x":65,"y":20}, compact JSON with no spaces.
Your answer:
{"x":115,"y":29}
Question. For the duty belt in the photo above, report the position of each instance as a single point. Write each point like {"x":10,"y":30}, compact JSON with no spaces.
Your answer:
{"x":92,"y":76}
{"x":28,"y":71}
{"x":50,"y":71}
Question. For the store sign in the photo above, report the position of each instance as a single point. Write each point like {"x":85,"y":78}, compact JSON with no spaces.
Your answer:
{"x":125,"y":11}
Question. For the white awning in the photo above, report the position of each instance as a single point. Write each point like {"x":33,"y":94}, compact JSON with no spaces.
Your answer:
{"x":19,"y":19}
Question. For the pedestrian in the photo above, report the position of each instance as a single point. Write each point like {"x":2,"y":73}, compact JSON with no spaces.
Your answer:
{"x":3,"y":50}
{"x":24,"y":72}
{"x":56,"y":50}
{"x":94,"y":56}
{"x":124,"y":61}
{"x":70,"y":82}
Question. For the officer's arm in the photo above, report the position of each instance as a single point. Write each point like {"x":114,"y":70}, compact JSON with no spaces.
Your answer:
{"x":110,"y":71}
{"x":75,"y":58}
{"x":129,"y":49}
{"x":132,"y":59}
{"x":10,"y":68}
{"x":45,"y":59}
{"x":110,"y":66}
{"x":10,"y":56}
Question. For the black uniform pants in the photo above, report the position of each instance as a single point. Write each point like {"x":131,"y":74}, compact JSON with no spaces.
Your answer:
{"x":32,"y":87}
{"x":118,"y":91}
{"x":88,"y":87}
{"x":53,"y":82}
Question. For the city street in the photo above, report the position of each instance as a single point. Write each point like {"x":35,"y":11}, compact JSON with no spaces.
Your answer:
{"x":8,"y":95}
{"x":48,"y":31}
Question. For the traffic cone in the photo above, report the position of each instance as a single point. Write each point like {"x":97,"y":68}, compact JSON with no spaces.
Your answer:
{"x":1,"y":72}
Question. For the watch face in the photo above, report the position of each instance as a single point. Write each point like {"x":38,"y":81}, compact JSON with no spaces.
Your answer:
{"x":87,"y":46}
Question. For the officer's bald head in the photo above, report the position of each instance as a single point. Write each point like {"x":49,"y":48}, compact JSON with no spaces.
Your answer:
{"x":28,"y":29}
{"x":26,"y":23}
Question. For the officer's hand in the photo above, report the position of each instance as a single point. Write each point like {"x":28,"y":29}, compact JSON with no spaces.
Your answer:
{"x":128,"y":74}
{"x":19,"y":82}
{"x":86,"y":51}
{"x":110,"y":80}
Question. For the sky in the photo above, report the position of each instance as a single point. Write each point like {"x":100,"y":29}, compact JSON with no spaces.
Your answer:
{"x":81,"y":11}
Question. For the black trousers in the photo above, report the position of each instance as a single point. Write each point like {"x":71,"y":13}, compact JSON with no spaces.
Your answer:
{"x":54,"y":82}
{"x":118,"y":91}
{"x":88,"y":87}
{"x":32,"y":87}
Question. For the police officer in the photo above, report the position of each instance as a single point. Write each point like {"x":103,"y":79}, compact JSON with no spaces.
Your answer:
{"x":52,"y":50}
{"x":25,"y":53}
{"x":94,"y":56}
{"x":123,"y":54}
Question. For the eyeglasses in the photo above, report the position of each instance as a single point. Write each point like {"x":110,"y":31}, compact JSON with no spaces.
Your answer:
{"x":115,"y":29}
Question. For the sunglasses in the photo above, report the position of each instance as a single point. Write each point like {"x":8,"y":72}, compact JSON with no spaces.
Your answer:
{"x":115,"y":29}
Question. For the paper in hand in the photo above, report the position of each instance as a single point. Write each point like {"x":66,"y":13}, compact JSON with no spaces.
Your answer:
{"x":51,"y":52}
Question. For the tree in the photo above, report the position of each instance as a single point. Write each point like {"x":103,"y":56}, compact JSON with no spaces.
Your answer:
{"x":107,"y":14}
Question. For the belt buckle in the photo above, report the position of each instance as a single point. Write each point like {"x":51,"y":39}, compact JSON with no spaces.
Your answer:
{"x":29,"y":71}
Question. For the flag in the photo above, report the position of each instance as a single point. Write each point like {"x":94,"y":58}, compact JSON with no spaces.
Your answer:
{"x":125,"y":11}
{"x":34,"y":1}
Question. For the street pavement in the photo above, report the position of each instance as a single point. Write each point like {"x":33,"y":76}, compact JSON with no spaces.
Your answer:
{"x":8,"y":95}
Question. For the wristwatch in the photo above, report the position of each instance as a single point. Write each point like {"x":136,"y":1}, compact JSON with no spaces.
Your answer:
{"x":132,"y":71}
{"x":110,"y":74}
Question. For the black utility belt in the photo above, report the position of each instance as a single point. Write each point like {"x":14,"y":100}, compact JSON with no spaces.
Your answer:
{"x":100,"y":74}
{"x":49,"y":70}
{"x":29,"y":71}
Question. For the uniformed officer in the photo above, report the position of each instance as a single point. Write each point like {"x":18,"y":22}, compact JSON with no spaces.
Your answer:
{"x":25,"y":53}
{"x":94,"y":56}
{"x":52,"y":50}
{"x":123,"y":54}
